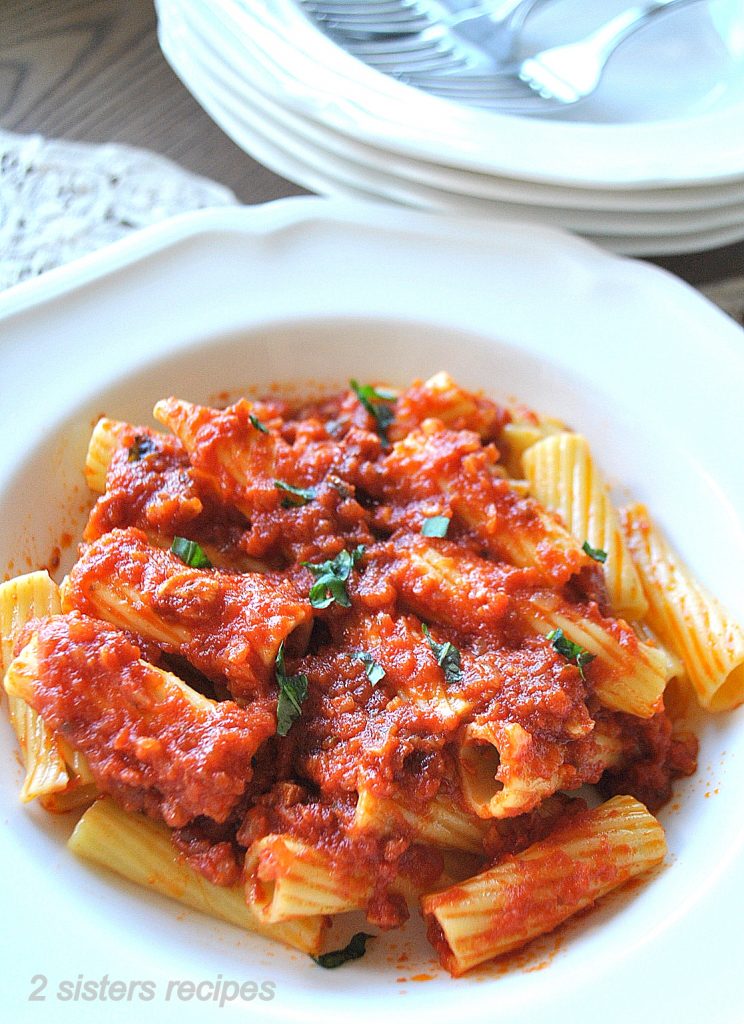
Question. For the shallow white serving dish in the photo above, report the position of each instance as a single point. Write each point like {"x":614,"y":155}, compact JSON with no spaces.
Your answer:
{"x":308,"y":291}
{"x":282,"y":142}
{"x":190,"y":30}
{"x":697,"y":145}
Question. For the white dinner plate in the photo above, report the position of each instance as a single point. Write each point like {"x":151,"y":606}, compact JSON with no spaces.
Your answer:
{"x":307,"y":291}
{"x":203,"y":58}
{"x":232,"y":60}
{"x":317,"y":79}
{"x":278,"y":140}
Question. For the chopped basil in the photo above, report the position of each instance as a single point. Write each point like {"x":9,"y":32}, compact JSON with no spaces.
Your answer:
{"x":292,"y":693}
{"x":435,"y":526}
{"x":447,"y":656}
{"x":296,"y":496}
{"x":572,"y":652}
{"x":143,"y":445}
{"x":257,"y":423}
{"x":331,"y":577}
{"x":596,"y":553}
{"x":356,"y":949}
{"x":375,"y":671}
{"x":190,"y":553}
{"x":373,"y":400}
{"x":327,"y":590}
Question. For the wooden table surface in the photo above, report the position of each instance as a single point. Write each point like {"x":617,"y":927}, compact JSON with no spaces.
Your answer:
{"x":91,"y":71}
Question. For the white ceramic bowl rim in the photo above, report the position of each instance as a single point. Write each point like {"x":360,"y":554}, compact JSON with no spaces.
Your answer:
{"x":630,"y":355}
{"x":316,"y":78}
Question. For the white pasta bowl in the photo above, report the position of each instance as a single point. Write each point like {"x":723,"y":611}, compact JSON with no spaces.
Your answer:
{"x":306,"y":294}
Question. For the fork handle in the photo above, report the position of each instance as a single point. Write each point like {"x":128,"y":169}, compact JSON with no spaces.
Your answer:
{"x":613,"y":32}
{"x":507,"y":16}
{"x":512,"y":12}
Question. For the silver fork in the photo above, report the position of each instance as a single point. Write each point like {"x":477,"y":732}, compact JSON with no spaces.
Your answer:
{"x":549,"y":80}
{"x":364,"y":18}
{"x":394,"y":24}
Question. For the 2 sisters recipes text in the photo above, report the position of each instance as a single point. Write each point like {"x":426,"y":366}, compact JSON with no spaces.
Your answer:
{"x":359,"y":655}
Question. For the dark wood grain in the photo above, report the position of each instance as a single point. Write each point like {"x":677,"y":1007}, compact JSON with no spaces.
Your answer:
{"x":92,"y":71}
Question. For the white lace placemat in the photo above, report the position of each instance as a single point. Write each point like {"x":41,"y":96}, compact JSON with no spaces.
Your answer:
{"x":59,"y":200}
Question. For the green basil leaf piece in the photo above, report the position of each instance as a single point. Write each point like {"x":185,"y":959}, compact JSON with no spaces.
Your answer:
{"x":330,"y":578}
{"x":447,"y":656}
{"x":596,"y":553}
{"x":435,"y":526}
{"x":373,"y":399}
{"x":375,"y":671}
{"x":356,"y":949}
{"x":296,"y":496}
{"x":292,"y":693}
{"x":256,"y":422}
{"x":190,"y":553}
{"x":574,"y":653}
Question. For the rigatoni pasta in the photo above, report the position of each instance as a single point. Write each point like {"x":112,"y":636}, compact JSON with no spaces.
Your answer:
{"x":356,"y":654}
{"x":489,"y":915}
{"x":22,"y":599}
{"x":443,"y":823}
{"x":287,"y":879}
{"x":630,"y":675}
{"x":690,"y":620}
{"x":564,"y":477}
{"x":140,"y":850}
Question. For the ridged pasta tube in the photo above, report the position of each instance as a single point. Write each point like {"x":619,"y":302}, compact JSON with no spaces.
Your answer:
{"x":104,"y":440}
{"x":441,"y":823}
{"x":629,"y":675}
{"x":564,"y":478}
{"x":531,"y":893}
{"x":287,"y":878}
{"x":140,"y":850}
{"x":686,"y":617}
{"x":34,"y":595}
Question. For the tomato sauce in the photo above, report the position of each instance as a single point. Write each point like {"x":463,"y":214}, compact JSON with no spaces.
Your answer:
{"x":388,"y":704}
{"x":146,"y":743}
{"x":228,"y":625}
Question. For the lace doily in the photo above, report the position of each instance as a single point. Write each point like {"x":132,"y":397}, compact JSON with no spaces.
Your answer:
{"x":59,"y":200}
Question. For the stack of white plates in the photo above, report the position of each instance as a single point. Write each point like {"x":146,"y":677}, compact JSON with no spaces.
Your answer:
{"x":652,"y":164}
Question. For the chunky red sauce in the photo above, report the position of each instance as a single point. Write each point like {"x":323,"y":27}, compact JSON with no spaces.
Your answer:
{"x":228,"y":625}
{"x":145,"y":742}
{"x":221,"y":776}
